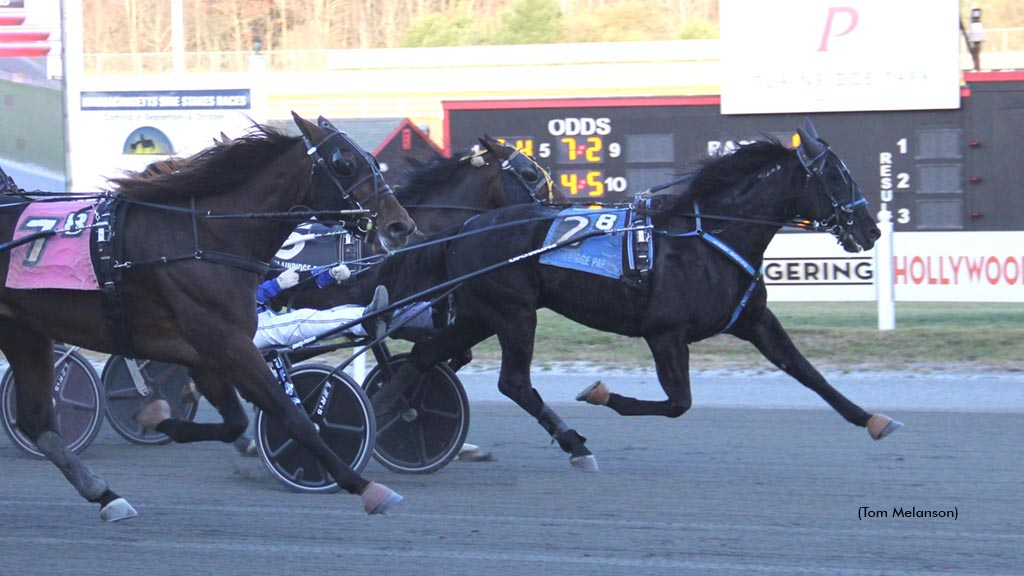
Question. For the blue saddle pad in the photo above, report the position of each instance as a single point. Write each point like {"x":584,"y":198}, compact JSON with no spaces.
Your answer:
{"x":600,"y":255}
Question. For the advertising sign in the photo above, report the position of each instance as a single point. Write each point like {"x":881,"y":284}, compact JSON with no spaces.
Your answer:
{"x":813,"y":56}
{"x":122,"y":131}
{"x":927,"y":267}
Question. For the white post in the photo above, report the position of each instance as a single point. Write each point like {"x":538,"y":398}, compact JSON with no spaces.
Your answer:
{"x":359,"y":368}
{"x":73,"y":59}
{"x":884,"y":289}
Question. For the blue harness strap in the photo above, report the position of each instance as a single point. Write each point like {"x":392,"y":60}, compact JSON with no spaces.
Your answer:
{"x":733,"y":255}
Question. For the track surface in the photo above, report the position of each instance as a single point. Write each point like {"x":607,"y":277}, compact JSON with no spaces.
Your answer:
{"x":722,"y":490}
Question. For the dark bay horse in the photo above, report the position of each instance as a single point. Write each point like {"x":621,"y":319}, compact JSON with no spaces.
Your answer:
{"x":192,"y":250}
{"x":443,"y":194}
{"x":709,"y":242}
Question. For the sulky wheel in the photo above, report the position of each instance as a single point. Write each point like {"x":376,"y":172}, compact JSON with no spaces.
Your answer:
{"x":77,"y":403}
{"x":430,"y":427}
{"x":345,"y":423}
{"x":123,"y":398}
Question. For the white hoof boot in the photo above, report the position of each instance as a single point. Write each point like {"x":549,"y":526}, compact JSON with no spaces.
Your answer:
{"x":153,"y":413}
{"x":378,"y":498}
{"x":118,"y":509}
{"x":597,"y":393}
{"x":586,"y":463}
{"x":880,"y":426}
{"x":473,"y":453}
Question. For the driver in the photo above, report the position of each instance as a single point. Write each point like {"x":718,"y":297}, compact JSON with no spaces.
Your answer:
{"x":292,"y":326}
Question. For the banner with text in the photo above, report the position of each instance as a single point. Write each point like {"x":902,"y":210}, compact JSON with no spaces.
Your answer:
{"x":812,"y":56}
{"x":927,"y":267}
{"x":121,"y":131}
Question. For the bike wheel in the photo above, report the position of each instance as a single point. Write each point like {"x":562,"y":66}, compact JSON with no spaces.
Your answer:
{"x":345,"y":423}
{"x":77,"y":403}
{"x":431,"y":426}
{"x":123,"y":399}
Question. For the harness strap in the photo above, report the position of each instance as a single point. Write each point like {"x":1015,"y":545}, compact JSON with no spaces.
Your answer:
{"x":109,"y":249}
{"x":731,"y":254}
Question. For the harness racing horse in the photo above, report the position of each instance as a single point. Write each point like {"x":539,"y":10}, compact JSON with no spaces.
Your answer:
{"x":443,"y":194}
{"x":186,"y":266}
{"x":704,"y":279}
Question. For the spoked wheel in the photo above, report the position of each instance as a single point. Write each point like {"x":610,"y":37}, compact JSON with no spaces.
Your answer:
{"x":77,"y":403}
{"x":430,"y":426}
{"x":345,"y":423}
{"x":123,"y":399}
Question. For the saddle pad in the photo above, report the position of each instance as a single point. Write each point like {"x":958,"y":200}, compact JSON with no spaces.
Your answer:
{"x":61,"y":261}
{"x":601,"y":255}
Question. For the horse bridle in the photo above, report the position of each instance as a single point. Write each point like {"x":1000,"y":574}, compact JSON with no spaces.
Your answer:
{"x":364,"y":226}
{"x":533,"y":191}
{"x":823,"y":165}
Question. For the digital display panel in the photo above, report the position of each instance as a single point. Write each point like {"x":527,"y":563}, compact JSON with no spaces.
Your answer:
{"x":607,"y":150}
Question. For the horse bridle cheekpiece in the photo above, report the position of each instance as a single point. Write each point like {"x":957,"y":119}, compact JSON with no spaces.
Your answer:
{"x":831,"y":173}
{"x":543,"y":190}
{"x":343,"y":174}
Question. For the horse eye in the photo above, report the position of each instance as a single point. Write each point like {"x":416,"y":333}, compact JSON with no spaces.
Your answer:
{"x":340,"y":165}
{"x":529,"y":174}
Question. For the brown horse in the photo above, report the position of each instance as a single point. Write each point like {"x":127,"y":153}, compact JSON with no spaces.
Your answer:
{"x":186,"y":266}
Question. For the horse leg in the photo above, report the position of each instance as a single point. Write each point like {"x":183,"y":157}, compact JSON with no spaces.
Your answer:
{"x":516,"y":340}
{"x":449,"y":342}
{"x":30,"y":355}
{"x":182,"y":431}
{"x":672,"y":361}
{"x":774,"y":343}
{"x":251,"y":377}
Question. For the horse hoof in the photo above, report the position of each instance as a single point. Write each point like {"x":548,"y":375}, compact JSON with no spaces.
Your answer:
{"x":880,"y":426}
{"x":190,"y":394}
{"x":586,"y":463}
{"x":117,"y":509}
{"x":473,"y":453}
{"x":597,"y":393}
{"x":153,"y":413}
{"x":378,"y":498}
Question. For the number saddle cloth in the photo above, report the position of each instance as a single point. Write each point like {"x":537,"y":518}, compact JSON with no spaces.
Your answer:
{"x":625,"y":251}
{"x":60,"y":257}
{"x":66,"y":256}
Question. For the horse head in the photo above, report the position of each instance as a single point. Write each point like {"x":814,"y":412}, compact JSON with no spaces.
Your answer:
{"x":522,"y":174}
{"x":840,"y":208}
{"x":341,"y":165}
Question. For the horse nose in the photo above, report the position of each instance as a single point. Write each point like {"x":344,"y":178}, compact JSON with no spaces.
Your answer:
{"x":874,"y":234}
{"x":398,"y":229}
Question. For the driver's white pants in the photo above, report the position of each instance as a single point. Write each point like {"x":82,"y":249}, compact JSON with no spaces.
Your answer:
{"x":294,"y":326}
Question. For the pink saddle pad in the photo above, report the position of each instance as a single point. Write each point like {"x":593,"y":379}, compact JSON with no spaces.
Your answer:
{"x":59,"y":261}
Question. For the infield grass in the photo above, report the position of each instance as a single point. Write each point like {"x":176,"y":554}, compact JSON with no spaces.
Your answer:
{"x":836,"y":335}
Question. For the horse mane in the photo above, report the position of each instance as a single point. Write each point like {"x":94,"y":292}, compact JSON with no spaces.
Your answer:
{"x":210,"y":172}
{"x":428,"y":176}
{"x":717,"y":174}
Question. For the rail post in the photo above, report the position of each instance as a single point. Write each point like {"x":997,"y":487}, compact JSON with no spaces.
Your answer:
{"x":884,"y":289}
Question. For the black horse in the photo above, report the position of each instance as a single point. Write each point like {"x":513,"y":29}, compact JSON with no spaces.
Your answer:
{"x":704,"y":279}
{"x":179,"y":277}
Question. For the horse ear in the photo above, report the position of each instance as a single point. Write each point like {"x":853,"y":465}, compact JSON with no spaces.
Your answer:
{"x":809,"y":140}
{"x":305,"y":126}
{"x":489,"y":143}
{"x":810,"y":129}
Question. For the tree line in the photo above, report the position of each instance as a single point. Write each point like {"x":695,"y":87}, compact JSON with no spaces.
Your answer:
{"x":133,"y":28}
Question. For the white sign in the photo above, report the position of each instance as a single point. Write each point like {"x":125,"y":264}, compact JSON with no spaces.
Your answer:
{"x":927,"y":267}
{"x":127,"y":130}
{"x":839,"y":55}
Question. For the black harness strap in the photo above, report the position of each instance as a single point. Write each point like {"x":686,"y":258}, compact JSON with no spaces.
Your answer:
{"x":108,"y":250}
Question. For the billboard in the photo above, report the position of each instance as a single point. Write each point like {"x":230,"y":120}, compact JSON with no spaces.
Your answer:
{"x":813,"y":56}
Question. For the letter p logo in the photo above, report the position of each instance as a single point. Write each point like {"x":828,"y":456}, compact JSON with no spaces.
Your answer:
{"x":852,"y":18}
